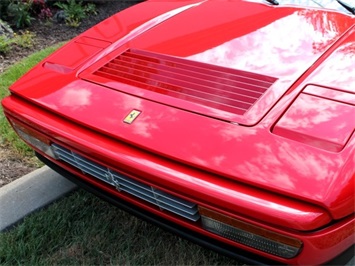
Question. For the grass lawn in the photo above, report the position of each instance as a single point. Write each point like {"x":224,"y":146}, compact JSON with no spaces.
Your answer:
{"x":82,"y":229}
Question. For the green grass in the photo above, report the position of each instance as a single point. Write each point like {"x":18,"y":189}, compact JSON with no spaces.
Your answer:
{"x":82,"y":229}
{"x":8,"y":137}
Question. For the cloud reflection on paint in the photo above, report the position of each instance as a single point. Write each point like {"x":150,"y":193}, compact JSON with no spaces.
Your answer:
{"x":269,"y":166}
{"x":76,"y":98}
{"x":269,"y":50}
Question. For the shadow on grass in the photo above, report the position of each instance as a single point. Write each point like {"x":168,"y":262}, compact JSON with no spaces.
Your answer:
{"x":82,"y":229}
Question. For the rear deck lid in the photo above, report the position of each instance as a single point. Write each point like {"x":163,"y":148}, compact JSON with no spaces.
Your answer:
{"x":233,"y":67}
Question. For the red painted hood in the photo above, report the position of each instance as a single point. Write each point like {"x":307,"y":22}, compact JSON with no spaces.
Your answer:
{"x":284,"y":50}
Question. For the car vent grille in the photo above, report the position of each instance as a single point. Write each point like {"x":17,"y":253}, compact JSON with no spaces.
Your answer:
{"x":147,"y":193}
{"x":218,"y":87}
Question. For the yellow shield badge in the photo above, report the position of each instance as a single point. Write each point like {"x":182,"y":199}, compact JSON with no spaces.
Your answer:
{"x":131,"y":116}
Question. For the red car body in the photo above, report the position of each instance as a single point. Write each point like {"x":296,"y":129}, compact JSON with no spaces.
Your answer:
{"x":243,"y":111}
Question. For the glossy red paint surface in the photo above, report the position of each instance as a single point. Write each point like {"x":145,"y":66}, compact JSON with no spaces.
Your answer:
{"x":302,"y":122}
{"x":286,"y":163}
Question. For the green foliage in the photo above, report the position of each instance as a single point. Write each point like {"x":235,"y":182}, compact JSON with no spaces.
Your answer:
{"x":23,"y":40}
{"x":5,"y":44}
{"x":19,"y":11}
{"x":90,"y":9}
{"x":75,"y":11}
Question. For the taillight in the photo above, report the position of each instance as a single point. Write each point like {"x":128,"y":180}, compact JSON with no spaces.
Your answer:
{"x":34,"y":139}
{"x":249,"y":235}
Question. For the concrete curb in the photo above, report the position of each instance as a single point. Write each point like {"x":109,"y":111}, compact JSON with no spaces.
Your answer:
{"x":30,"y":193}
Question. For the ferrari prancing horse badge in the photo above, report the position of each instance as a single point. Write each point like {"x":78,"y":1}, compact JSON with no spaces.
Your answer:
{"x":132,"y":116}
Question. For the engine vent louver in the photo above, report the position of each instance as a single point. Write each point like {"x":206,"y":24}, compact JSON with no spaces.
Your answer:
{"x":124,"y":183}
{"x":226,"y":89}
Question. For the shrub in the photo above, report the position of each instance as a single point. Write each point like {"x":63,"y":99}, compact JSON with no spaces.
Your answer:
{"x":40,"y":9}
{"x":45,"y":13}
{"x":23,"y":40}
{"x":19,"y":12}
{"x":75,"y":12}
{"x":5,"y":44}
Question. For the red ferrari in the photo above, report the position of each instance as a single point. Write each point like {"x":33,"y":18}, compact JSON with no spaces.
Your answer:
{"x":230,"y":123}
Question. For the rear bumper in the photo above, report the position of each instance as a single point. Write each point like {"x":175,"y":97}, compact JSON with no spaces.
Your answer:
{"x":247,"y":257}
{"x":345,"y":258}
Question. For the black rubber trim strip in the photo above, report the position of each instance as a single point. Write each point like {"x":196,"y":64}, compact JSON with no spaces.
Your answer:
{"x":241,"y":255}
